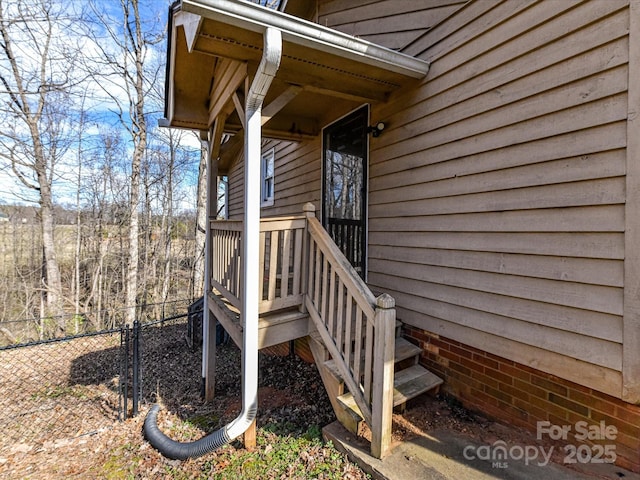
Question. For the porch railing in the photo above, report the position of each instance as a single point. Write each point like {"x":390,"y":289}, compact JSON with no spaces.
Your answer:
{"x":280,"y":272}
{"x":300,"y":265}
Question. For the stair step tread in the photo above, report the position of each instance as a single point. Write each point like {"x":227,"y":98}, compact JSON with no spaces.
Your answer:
{"x":413,"y":381}
{"x":280,"y":317}
{"x":403,"y":350}
{"x":407,"y":384}
{"x":350,"y":405}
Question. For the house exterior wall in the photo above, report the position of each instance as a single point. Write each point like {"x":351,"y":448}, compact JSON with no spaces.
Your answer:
{"x":524,"y":396}
{"x":497,"y":194}
{"x":392,"y":23}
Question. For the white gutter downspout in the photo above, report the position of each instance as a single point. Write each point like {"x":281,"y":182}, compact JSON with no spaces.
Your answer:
{"x":250,"y":260}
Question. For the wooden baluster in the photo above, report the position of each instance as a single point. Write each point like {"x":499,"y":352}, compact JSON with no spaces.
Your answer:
{"x":331,"y":314}
{"x":368,"y":359}
{"x":273,"y":264}
{"x":325,"y":275}
{"x":339,"y":316}
{"x":318,"y":268}
{"x":231,"y":264}
{"x":298,"y":254}
{"x":230,"y":267}
{"x":215,"y":258}
{"x":347,"y":329}
{"x":263,"y":241}
{"x":224,"y":259}
{"x":357,"y":354}
{"x":286,"y":252}
{"x":237,"y":259}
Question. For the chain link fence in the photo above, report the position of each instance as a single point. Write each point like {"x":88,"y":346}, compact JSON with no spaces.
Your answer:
{"x":58,"y":389}
{"x":67,"y":387}
{"x":47,"y":328}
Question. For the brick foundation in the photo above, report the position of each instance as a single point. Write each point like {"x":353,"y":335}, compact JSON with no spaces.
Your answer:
{"x":300,"y":347}
{"x":518,"y":395}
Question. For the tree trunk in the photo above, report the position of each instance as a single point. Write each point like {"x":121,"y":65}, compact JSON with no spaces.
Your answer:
{"x":52,"y":282}
{"x":139,"y":135}
{"x":201,"y":225}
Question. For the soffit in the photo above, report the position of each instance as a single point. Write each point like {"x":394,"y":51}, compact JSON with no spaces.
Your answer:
{"x":322,"y":72}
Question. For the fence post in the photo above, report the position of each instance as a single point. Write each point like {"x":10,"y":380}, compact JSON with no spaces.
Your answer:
{"x":124,"y":369}
{"x":383,"y":353}
{"x":136,"y":365}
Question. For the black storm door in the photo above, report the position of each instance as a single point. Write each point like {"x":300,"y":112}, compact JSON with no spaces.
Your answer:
{"x":344,"y":188}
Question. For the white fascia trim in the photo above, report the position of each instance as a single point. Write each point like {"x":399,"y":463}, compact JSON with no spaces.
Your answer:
{"x":255,"y":18}
{"x":191,"y":24}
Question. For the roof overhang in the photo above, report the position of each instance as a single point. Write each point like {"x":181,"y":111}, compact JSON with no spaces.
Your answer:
{"x":215,"y":45}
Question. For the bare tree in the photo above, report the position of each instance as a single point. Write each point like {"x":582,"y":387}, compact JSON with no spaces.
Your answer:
{"x":36,"y":77}
{"x":123,"y":76}
{"x":201,"y":224}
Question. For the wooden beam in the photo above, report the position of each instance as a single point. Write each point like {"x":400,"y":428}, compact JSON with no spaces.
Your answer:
{"x":209,"y":321}
{"x":230,"y":150}
{"x":631,"y":317}
{"x":280,"y":102}
{"x":228,"y":77}
{"x":342,"y":95}
{"x":250,"y":437}
{"x":215,"y":142}
{"x":239,"y":107}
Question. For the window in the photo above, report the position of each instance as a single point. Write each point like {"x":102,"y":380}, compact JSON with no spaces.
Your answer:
{"x":267,"y":176}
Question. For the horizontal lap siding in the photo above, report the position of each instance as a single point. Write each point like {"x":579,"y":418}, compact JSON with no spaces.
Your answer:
{"x":497,"y":192}
{"x":391,"y":23}
{"x":296,"y":179}
{"x":235,"y":194}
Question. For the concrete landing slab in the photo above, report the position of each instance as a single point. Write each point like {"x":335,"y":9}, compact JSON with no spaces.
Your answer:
{"x":445,"y":455}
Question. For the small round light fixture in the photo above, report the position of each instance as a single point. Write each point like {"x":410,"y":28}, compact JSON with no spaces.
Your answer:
{"x":376,"y":129}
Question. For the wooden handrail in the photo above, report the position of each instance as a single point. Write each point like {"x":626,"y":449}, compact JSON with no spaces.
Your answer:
{"x":352,"y":280}
{"x":356,"y":328}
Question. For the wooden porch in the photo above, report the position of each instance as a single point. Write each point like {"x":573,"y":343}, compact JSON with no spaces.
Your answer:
{"x":308,"y":288}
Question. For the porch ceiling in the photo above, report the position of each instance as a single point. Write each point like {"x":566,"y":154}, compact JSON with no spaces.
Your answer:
{"x":215,"y":44}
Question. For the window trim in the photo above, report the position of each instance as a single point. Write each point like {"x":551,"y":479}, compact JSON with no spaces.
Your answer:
{"x":268,"y":156}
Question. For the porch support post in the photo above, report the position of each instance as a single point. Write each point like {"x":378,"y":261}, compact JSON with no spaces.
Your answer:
{"x":208,"y":319}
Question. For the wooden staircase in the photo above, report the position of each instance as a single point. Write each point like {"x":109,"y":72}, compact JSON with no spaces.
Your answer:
{"x":410,"y":380}
{"x":310,"y":289}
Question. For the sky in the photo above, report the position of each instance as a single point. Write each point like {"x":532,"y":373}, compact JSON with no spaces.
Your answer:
{"x":101,"y":106}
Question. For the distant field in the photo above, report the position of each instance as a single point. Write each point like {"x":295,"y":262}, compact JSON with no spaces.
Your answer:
{"x":24,"y":242}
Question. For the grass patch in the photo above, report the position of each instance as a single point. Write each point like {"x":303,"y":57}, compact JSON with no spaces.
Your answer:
{"x":117,"y":469}
{"x":58,"y":391}
{"x":300,"y":457}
